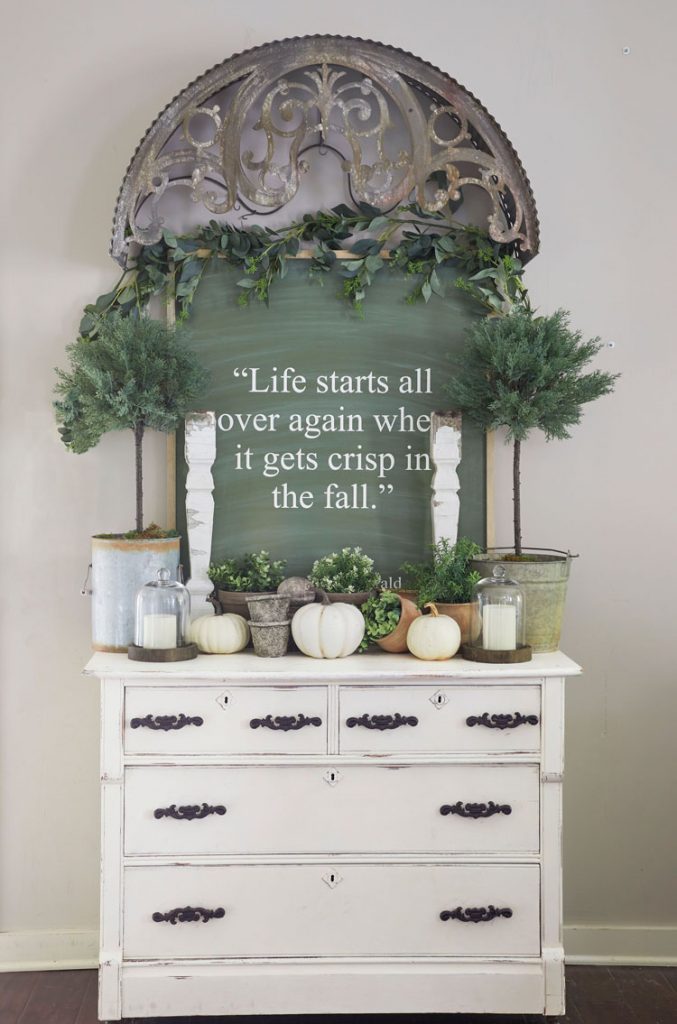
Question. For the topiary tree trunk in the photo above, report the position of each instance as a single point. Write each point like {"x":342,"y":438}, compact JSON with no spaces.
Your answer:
{"x":138,"y":452}
{"x":516,"y":499}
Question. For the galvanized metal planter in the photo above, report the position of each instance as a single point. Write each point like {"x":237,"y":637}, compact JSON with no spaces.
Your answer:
{"x":544,"y":575}
{"x":119,"y":568}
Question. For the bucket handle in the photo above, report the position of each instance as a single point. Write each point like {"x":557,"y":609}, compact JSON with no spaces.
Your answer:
{"x":511,"y":547}
{"x":86,"y":590}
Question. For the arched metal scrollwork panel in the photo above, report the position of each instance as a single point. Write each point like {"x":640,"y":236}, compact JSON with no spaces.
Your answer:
{"x":404,"y":130}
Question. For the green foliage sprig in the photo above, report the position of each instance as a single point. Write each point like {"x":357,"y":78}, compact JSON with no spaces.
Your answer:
{"x":525,"y":372}
{"x":381,"y":615}
{"x":254,"y":573}
{"x":447,"y":577}
{"x":348,"y":571}
{"x":489,"y":272}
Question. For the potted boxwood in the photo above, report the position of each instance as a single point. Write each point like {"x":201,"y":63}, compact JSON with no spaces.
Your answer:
{"x":348,"y":576}
{"x":387,"y":617}
{"x":254,"y":574}
{"x":524,"y":372}
{"x":447,"y":581}
{"x":135,"y":374}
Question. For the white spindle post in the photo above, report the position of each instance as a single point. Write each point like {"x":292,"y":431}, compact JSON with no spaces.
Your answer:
{"x":200,"y":452}
{"x":445,"y":451}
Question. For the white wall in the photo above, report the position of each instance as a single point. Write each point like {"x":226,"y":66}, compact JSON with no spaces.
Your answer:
{"x":595,"y":130}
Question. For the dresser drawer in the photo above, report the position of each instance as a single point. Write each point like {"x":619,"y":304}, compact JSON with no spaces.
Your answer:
{"x":351,"y":809}
{"x":225,"y":720}
{"x":331,"y":910}
{"x":420,"y":719}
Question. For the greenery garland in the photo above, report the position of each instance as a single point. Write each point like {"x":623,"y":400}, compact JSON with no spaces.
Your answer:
{"x":488,"y":271}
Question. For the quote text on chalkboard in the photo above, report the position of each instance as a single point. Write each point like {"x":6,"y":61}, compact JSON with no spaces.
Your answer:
{"x":382,"y":464}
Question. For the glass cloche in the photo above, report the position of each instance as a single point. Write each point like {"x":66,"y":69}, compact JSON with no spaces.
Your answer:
{"x":162,"y":613}
{"x":501,"y":612}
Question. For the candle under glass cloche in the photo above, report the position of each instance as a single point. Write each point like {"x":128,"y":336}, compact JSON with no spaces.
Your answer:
{"x":500,"y":604}
{"x":162,"y":620}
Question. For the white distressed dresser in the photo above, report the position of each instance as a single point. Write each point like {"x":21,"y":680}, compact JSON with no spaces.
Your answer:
{"x":370,"y":835}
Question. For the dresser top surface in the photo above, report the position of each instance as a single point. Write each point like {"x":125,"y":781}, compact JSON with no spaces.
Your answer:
{"x":373,"y":667}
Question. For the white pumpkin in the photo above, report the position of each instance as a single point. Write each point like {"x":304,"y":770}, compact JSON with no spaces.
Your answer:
{"x":434,"y":637}
{"x":328,"y":630}
{"x":219,"y":634}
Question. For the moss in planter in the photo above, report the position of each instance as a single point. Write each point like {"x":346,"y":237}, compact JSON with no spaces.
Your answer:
{"x":151,"y":532}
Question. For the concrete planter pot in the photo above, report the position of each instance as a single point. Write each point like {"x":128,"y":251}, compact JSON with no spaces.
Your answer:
{"x":270,"y":639}
{"x":396,"y":642}
{"x":269,"y":608}
{"x":235,"y":601}
{"x":544,"y":574}
{"x":119,"y":568}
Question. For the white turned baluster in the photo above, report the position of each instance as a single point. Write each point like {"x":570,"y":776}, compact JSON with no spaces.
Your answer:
{"x":445,"y":451}
{"x":200,"y":450}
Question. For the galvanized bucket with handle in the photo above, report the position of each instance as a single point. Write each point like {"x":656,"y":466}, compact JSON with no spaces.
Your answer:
{"x":543,"y":573}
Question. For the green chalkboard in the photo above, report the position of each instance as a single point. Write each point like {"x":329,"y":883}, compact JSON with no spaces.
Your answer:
{"x":308,"y":327}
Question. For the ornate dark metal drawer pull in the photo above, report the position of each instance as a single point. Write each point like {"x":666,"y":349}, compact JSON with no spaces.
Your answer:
{"x":180,"y":915}
{"x":284,"y":722}
{"x":475,"y":915}
{"x":475,"y":810}
{"x":382,"y":722}
{"x":189,"y":812}
{"x":502,"y":721}
{"x":166,"y":722}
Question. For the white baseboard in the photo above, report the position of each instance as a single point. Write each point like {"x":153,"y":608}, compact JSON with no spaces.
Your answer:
{"x":48,"y":951}
{"x":583,"y":944}
{"x":632,"y":945}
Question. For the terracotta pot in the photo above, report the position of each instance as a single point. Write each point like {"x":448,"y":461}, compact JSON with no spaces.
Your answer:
{"x":411,"y":595}
{"x":396,"y":642}
{"x":466,"y":616}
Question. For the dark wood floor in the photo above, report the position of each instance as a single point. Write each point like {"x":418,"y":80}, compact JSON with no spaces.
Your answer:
{"x":595,"y":995}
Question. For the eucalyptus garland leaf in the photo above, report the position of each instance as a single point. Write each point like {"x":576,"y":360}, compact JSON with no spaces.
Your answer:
{"x":487,"y":271}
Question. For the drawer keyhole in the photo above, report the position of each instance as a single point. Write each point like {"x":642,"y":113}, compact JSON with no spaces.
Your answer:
{"x":332,"y":879}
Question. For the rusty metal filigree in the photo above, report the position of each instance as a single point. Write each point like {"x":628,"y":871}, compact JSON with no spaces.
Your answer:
{"x":403,"y":129}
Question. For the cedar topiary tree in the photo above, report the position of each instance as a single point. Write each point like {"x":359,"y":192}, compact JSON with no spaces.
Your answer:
{"x":133,"y":374}
{"x":524,"y":372}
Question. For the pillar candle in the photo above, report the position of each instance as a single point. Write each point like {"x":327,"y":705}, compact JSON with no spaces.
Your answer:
{"x":159,"y":631}
{"x":499,"y":627}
